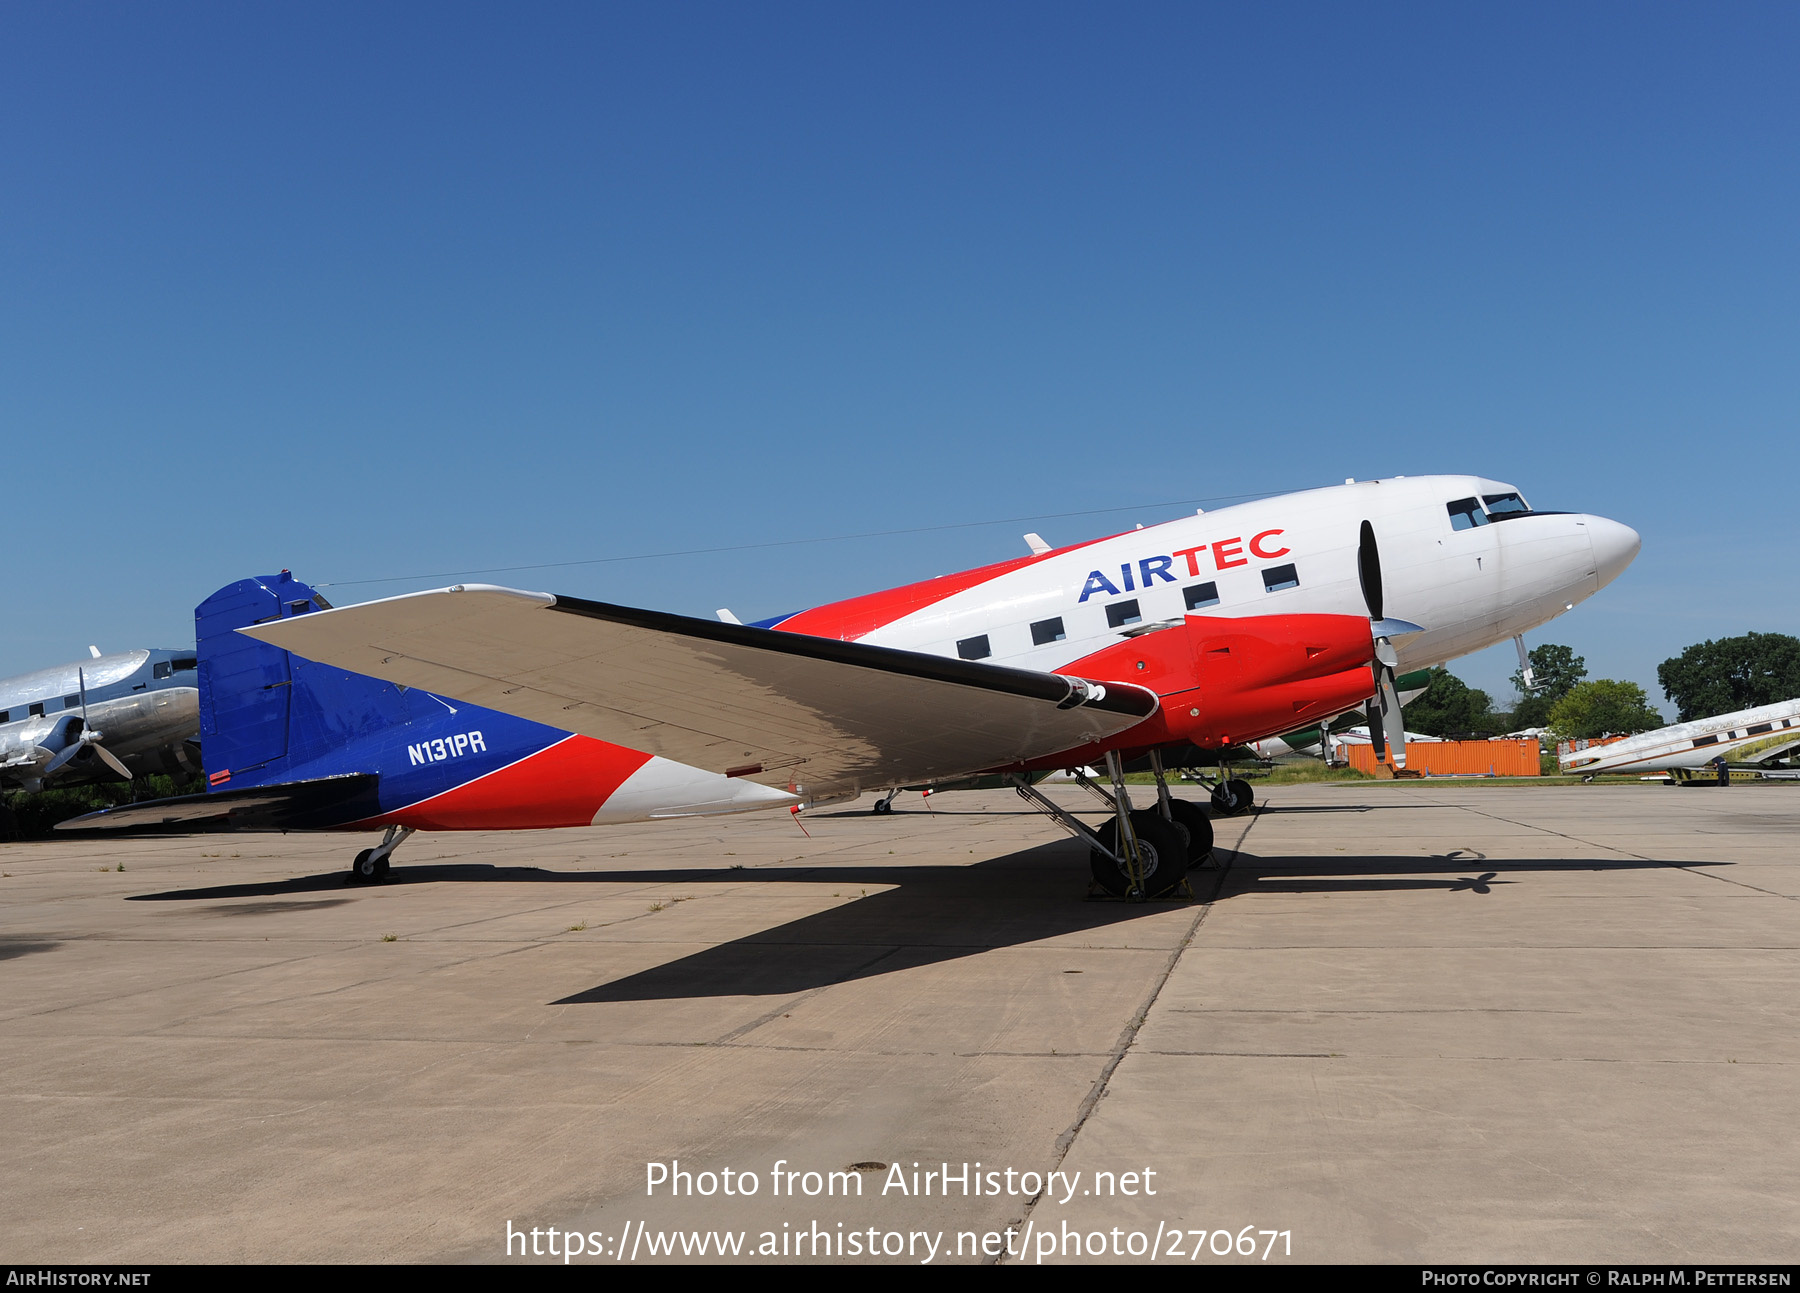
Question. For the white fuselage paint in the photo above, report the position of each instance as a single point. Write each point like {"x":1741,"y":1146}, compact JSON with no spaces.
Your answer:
{"x":663,"y":788}
{"x":1468,"y":589}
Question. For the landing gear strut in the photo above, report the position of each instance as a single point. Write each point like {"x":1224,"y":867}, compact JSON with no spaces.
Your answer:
{"x":371,"y":865}
{"x":1137,"y":853}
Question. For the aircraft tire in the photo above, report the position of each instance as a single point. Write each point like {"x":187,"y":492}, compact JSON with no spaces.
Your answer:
{"x":363,"y":870}
{"x":1225,"y":801}
{"x":1199,"y":828}
{"x":1162,"y":845}
{"x":1245,"y":794}
{"x":882,"y":807}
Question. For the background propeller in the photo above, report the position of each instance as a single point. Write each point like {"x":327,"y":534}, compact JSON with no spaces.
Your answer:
{"x":77,"y":735}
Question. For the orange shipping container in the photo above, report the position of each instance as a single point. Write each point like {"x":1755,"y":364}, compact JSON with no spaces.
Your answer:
{"x":1510,"y":758}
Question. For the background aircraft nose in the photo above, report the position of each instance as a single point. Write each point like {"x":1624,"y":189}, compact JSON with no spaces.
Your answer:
{"x":1614,"y":547}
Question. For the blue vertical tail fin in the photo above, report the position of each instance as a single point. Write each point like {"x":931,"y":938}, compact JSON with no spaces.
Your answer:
{"x":266,"y":715}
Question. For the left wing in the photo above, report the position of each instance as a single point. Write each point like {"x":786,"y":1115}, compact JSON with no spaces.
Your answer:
{"x":293,"y":805}
{"x":783,"y":709}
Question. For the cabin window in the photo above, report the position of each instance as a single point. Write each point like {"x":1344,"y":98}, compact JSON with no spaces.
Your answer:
{"x":162,"y":669}
{"x":974,"y":648}
{"x":1276,"y":578}
{"x":1045,"y":632}
{"x":1466,"y":514}
{"x":1760,"y":728}
{"x":1198,"y":595}
{"x":37,"y":710}
{"x":1119,"y":614}
{"x":5,"y":716}
{"x":1705,"y":740}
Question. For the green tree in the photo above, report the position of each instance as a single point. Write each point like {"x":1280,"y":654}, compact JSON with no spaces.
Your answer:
{"x":1603,"y":707}
{"x":1732,"y":674}
{"x":1451,"y":707}
{"x":1555,"y":669}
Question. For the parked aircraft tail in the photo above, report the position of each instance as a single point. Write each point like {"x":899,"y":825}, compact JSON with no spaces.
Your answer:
{"x":263,"y":712}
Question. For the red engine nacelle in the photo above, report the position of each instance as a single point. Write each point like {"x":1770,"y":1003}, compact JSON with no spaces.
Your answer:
{"x":1227,"y":681}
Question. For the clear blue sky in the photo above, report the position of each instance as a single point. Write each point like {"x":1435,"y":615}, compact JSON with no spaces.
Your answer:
{"x":382,"y":290}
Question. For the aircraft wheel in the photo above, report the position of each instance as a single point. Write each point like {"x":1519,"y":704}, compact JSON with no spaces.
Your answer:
{"x":882,"y":807}
{"x":365,"y":870}
{"x":1162,"y":848}
{"x":1245,"y":792}
{"x":1199,"y":827}
{"x":1225,"y":801}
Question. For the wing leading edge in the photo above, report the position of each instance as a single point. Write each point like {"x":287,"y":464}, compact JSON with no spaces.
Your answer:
{"x":782,"y":709}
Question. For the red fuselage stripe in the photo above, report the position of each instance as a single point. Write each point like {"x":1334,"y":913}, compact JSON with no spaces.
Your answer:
{"x":856,"y":617}
{"x":562,"y":785}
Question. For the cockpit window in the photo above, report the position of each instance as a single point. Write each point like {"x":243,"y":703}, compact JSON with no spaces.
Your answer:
{"x":1502,"y":506}
{"x":184,"y":662}
{"x":162,"y":669}
{"x":1466,"y":514}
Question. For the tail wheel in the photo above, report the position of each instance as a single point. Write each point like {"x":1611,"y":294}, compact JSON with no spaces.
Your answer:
{"x":1229,"y":798}
{"x":367,"y":868}
{"x":1199,"y":828}
{"x":1162,"y":849}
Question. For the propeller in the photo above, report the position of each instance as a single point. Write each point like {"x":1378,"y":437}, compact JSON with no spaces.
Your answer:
{"x":77,"y":735}
{"x":1384,"y":712}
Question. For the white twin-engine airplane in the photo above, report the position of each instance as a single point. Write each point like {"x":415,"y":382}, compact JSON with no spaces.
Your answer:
{"x":499,"y":709}
{"x":1750,"y":740}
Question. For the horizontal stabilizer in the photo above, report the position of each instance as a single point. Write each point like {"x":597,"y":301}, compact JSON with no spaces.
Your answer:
{"x":773,"y":707}
{"x":295,"y":805}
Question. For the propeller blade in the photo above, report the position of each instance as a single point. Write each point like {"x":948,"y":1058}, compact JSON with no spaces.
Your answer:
{"x":1368,"y":570}
{"x":1390,"y":711}
{"x":112,"y":761}
{"x":68,"y":752}
{"x":1377,"y":733}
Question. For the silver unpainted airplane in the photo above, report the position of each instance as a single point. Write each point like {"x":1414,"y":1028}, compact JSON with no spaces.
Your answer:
{"x":119,"y":715}
{"x":1751,"y":740}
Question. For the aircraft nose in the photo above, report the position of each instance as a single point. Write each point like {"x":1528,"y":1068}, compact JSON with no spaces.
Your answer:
{"x":1614,"y":547}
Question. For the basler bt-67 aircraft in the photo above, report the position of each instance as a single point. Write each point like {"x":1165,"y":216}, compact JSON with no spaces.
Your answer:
{"x":477,"y":707}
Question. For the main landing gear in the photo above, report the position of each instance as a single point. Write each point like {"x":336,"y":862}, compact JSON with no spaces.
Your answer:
{"x":371,"y":865}
{"x":1138,"y":853}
